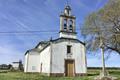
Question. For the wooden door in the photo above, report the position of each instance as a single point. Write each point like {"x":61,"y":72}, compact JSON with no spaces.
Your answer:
{"x":69,"y":68}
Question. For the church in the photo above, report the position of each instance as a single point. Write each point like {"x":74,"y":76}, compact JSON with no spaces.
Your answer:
{"x":64,"y":56}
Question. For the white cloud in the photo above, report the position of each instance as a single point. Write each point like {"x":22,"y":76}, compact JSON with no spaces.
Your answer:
{"x":91,"y":62}
{"x":9,"y":54}
{"x":112,"y":61}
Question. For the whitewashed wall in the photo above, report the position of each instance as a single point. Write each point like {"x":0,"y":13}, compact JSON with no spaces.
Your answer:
{"x":59,"y":54}
{"x":45,"y":60}
{"x":15,"y":66}
{"x":32,"y":62}
{"x":25,"y":63}
{"x":68,"y":35}
{"x":80,"y":58}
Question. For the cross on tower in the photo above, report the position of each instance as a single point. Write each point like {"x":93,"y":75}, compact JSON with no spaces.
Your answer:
{"x":67,"y":2}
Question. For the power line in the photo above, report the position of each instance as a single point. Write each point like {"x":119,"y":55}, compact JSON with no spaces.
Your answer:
{"x":20,"y":32}
{"x":50,"y":31}
{"x":45,"y":31}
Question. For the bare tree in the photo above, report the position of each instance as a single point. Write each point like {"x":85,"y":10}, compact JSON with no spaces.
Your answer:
{"x":105,"y":22}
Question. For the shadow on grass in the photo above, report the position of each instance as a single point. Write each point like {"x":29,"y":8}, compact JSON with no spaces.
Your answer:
{"x":114,"y":72}
{"x":93,"y":74}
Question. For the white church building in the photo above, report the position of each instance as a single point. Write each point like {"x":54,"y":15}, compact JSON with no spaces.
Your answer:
{"x":65,"y":56}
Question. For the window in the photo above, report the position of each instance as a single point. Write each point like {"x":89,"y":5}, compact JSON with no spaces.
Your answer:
{"x":70,"y":28}
{"x":70,"y":25}
{"x":65,"y":24}
{"x":68,"y":49}
{"x":33,"y":67}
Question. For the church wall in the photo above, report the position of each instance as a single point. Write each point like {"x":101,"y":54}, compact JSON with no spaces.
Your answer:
{"x":32,"y":60}
{"x":80,"y":59}
{"x":45,"y":60}
{"x":59,"y":54}
{"x":25,"y":63}
{"x":66,"y":35}
{"x":58,"y":51}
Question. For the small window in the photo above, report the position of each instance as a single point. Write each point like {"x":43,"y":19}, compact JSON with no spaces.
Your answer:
{"x":33,"y":67}
{"x":68,"y":49}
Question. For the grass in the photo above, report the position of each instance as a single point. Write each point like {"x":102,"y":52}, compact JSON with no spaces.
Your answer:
{"x":30,"y":76}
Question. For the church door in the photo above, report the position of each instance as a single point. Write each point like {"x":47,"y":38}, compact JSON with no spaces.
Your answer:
{"x":69,"y":68}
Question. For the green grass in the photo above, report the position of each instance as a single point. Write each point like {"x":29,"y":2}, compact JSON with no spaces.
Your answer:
{"x":30,"y":76}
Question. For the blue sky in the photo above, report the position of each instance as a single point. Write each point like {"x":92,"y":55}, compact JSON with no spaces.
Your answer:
{"x":42,"y":15}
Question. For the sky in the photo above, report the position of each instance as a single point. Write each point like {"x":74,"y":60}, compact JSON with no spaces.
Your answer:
{"x":41,"y":15}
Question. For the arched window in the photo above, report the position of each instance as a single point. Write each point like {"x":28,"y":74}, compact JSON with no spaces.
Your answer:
{"x":71,"y":26}
{"x":65,"y":24}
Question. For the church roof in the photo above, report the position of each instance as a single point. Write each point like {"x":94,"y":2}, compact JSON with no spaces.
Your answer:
{"x":42,"y":42}
{"x":69,"y":39}
{"x":47,"y":43}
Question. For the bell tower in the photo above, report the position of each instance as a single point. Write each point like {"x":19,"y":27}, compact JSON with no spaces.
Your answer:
{"x":67,"y":24}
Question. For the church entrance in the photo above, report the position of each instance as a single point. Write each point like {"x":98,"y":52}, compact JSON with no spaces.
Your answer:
{"x":69,"y":68}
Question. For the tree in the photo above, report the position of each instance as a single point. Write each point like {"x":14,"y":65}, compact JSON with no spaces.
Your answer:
{"x":104,"y":24}
{"x":21,"y":66}
{"x":9,"y":66}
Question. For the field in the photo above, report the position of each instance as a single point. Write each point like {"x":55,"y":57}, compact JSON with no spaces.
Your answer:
{"x":30,"y":76}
